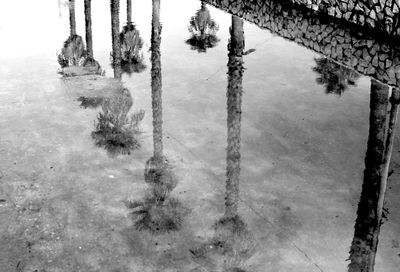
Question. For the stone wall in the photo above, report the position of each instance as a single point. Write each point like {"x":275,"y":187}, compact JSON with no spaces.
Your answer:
{"x":382,"y":15}
{"x":343,"y":43}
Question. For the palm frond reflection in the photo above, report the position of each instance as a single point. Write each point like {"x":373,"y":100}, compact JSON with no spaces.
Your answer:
{"x":335,"y":77}
{"x":203,"y":30}
{"x":131,"y":45}
{"x":158,"y":212}
{"x":116,"y":130}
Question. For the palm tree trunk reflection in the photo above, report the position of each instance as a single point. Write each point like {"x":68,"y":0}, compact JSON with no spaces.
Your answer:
{"x":232,"y":243}
{"x":88,"y":25}
{"x":156,"y":80}
{"x":72,"y":21}
{"x":129,"y":11}
{"x":90,"y":62}
{"x":116,"y":45}
{"x":370,"y":208}
{"x":158,"y":212}
{"x":234,"y":103}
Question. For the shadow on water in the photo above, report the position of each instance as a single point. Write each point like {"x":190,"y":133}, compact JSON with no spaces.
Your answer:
{"x":158,"y":212}
{"x":232,"y":243}
{"x":203,"y":30}
{"x":371,"y":208}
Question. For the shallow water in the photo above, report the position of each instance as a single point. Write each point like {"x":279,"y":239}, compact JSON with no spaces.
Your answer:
{"x":301,"y":155}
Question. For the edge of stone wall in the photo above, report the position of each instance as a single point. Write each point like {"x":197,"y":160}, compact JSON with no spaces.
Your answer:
{"x":379,"y":15}
{"x":345,"y":43}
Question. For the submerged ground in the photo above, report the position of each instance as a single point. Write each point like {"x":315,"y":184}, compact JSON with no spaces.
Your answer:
{"x":63,"y":199}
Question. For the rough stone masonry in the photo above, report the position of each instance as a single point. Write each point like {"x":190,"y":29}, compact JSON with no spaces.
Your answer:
{"x":345,"y":43}
{"x":382,"y":15}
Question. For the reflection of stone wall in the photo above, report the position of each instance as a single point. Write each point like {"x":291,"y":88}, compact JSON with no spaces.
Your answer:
{"x":380,"y":14}
{"x":338,"y":41}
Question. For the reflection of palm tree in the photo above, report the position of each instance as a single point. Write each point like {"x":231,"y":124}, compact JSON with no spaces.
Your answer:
{"x":156,"y":80}
{"x":203,"y":30}
{"x":158,"y":212}
{"x":234,"y":95}
{"x":370,"y":208}
{"x":115,"y":130}
{"x":232,"y":240}
{"x":116,"y":45}
{"x":73,"y":52}
{"x":334,"y":76}
{"x":74,"y":49}
{"x":129,"y":56}
{"x":131,"y":46}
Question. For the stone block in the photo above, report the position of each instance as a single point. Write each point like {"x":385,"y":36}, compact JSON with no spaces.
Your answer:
{"x":370,"y":70}
{"x":340,"y":39}
{"x":388,"y":63}
{"x":395,"y":8}
{"x":351,"y":5}
{"x":389,"y":12}
{"x":372,"y":15}
{"x":370,"y":22}
{"x":347,"y":38}
{"x":354,"y":62}
{"x":382,"y":65}
{"x":361,"y":19}
{"x":383,"y":57}
{"x":366,"y":56}
{"x":374,"y":49}
{"x":375,"y":61}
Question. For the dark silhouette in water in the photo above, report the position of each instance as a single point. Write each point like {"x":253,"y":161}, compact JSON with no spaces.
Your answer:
{"x":158,"y":212}
{"x":132,"y":59}
{"x":232,"y":242}
{"x":203,"y":30}
{"x":116,"y":130}
{"x":335,"y":77}
{"x":370,"y":208}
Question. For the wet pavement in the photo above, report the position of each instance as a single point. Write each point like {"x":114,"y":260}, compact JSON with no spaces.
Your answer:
{"x":232,"y":149}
